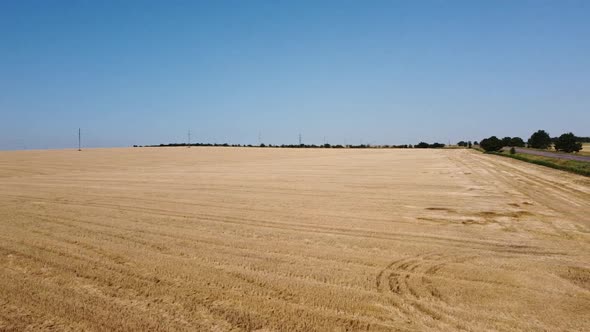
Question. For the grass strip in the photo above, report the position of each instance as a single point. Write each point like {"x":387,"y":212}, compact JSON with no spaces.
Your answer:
{"x":573,"y":166}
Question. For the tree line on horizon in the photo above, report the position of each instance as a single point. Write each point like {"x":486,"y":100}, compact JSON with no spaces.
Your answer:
{"x":567,"y":142}
{"x":540,"y":139}
{"x":421,"y":145}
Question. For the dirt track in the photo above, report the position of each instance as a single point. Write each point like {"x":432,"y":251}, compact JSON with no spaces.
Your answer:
{"x":553,"y":154}
{"x":269,"y":239}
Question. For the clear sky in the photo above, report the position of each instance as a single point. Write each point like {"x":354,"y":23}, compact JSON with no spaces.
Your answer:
{"x":391,"y":72}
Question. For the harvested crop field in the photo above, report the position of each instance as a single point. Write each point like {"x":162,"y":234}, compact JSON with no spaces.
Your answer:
{"x":230,"y":239}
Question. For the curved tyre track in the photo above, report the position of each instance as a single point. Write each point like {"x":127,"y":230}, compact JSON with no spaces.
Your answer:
{"x":410,"y":281}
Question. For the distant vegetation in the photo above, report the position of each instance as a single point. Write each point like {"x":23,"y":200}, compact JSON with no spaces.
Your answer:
{"x":495,"y":144}
{"x":578,"y":139}
{"x":467,"y":144}
{"x":539,"y":140}
{"x":517,"y":142}
{"x":491,"y":144}
{"x":420,"y":145}
{"x":568,"y":143}
{"x":424,"y":145}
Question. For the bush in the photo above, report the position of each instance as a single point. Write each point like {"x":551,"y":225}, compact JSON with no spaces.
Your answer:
{"x":540,"y":140}
{"x":567,"y":143}
{"x":491,"y":144}
{"x":512,"y":150}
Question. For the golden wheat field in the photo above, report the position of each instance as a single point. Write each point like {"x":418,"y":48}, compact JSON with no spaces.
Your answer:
{"x":230,"y":239}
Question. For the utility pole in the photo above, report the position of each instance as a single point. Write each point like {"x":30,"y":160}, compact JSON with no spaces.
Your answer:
{"x":259,"y":138}
{"x":299,"y":138}
{"x":79,"y":139}
{"x":189,"y":138}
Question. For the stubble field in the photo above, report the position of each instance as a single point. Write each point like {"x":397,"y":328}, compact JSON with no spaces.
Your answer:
{"x":228,"y":239}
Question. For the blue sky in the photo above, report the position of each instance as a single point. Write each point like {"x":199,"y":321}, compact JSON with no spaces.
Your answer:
{"x":380,"y":72}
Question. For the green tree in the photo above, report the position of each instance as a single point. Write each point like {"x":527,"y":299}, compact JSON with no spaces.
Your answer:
{"x":540,"y":140}
{"x":512,"y":150}
{"x":469,"y":145}
{"x":517,"y":141}
{"x":491,"y":144}
{"x":567,"y":143}
{"x":506,"y":141}
{"x":422,"y":145}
